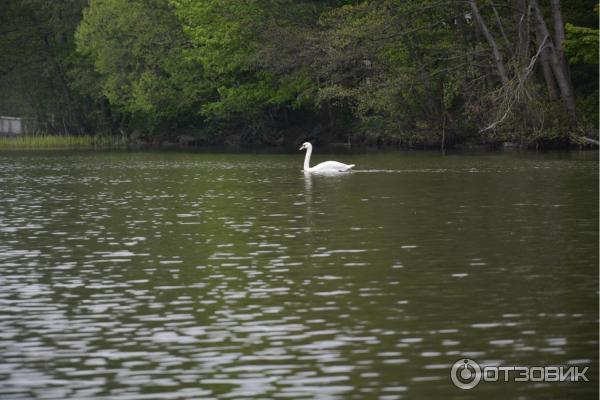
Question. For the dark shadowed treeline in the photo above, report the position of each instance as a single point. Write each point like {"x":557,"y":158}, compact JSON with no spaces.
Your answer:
{"x":278,"y":71}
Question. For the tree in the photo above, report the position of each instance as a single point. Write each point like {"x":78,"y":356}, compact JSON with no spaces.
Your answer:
{"x":142,"y":59}
{"x":557,"y":62}
{"x":581,"y":50}
{"x":36,"y":40}
{"x":251,"y":53}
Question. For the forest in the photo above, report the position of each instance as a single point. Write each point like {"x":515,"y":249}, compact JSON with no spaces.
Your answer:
{"x":408,"y":73}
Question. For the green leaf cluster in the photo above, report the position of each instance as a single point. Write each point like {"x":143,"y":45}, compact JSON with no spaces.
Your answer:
{"x":139,"y":51}
{"x":581,"y":44}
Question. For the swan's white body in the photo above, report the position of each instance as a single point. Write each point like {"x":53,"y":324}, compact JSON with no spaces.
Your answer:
{"x":324,"y":167}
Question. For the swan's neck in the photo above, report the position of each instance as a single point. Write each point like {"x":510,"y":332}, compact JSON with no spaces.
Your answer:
{"x":307,"y":159}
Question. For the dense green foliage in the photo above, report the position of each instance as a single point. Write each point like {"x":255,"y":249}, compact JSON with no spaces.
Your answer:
{"x":280,"y":71}
{"x":138,"y":50}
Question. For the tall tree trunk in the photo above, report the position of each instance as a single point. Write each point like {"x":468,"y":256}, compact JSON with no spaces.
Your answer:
{"x":559,"y":30}
{"x":501,"y":27}
{"x":546,"y":69}
{"x":562,"y":77}
{"x":491,"y":41}
{"x":522,"y":20}
{"x":559,"y":36}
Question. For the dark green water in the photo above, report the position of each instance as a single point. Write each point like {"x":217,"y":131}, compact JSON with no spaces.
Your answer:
{"x":182,"y":275}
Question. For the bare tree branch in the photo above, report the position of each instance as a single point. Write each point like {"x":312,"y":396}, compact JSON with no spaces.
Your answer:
{"x":514,"y":95}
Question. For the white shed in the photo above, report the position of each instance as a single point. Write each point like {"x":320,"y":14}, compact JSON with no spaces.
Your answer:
{"x":11,"y":126}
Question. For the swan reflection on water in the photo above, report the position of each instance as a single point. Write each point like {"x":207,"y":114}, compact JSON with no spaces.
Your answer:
{"x":321,"y":179}
{"x":307,"y":184}
{"x":332,"y":177}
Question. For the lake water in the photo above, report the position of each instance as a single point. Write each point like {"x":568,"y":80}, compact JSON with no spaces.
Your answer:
{"x":147,"y":275}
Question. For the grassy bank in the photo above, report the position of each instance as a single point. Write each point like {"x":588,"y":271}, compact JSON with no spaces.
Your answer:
{"x":60,"y":142}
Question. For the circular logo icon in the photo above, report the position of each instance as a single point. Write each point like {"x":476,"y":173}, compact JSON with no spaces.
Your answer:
{"x":465,"y":373}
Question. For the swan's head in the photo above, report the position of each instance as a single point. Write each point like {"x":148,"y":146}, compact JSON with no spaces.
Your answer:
{"x":306,"y":146}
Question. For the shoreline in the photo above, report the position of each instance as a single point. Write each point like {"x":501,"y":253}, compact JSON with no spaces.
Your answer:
{"x":184,"y":142}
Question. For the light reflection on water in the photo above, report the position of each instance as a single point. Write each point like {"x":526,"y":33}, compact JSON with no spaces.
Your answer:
{"x":172,"y":275}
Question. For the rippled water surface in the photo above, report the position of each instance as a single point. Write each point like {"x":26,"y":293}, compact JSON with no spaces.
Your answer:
{"x":190,"y":275}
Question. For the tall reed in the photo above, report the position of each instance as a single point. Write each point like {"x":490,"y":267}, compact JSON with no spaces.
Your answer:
{"x":46,"y":141}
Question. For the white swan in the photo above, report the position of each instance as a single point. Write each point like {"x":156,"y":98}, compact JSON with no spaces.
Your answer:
{"x":324,"y":167}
